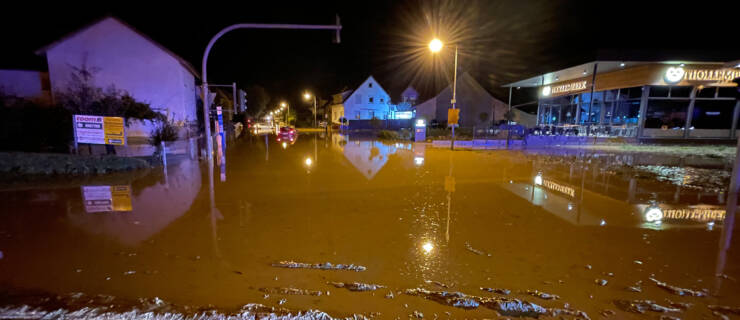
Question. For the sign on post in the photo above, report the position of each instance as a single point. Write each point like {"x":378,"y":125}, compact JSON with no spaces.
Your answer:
{"x":99,"y":130}
{"x":453,"y":115}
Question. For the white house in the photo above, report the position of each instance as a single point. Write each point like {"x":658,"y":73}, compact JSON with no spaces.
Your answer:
{"x":119,"y":55}
{"x":367,"y":101}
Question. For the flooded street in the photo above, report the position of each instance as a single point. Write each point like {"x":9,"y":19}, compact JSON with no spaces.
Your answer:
{"x":360,"y":227}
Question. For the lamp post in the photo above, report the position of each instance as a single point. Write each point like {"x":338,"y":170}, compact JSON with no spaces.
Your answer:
{"x":436,"y":46}
{"x":307,"y":96}
{"x":287,"y":113}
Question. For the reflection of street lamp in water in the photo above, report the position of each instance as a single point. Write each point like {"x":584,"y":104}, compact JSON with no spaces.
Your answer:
{"x":427,"y":247}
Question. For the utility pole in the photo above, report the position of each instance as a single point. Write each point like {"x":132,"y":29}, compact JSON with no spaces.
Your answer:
{"x":454,"y":101}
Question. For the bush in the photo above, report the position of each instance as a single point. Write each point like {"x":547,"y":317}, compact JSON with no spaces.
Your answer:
{"x":388,"y":135}
{"x":29,"y":127}
{"x":165,"y":131}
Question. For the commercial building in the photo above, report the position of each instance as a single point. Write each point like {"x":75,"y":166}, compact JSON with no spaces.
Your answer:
{"x":638,"y":100}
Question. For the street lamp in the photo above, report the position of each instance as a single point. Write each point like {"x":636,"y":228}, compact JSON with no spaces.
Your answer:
{"x":307,"y":96}
{"x":284,"y":105}
{"x":436,"y":46}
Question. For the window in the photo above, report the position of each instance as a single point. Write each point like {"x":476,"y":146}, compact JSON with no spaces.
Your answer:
{"x":370,"y":100}
{"x":382,"y":100}
{"x":660,"y":91}
{"x":664,"y":112}
{"x":681,"y":92}
{"x":370,"y":85}
{"x":626,"y":112}
{"x":727,"y":92}
{"x":357,"y":115}
{"x":706,"y":92}
{"x":713,"y":114}
{"x":371,"y":114}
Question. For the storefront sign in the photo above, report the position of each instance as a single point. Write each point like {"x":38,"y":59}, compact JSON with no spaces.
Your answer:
{"x":559,"y":188}
{"x":677,"y":74}
{"x":565,"y":88}
{"x":106,"y":198}
{"x":99,"y":130}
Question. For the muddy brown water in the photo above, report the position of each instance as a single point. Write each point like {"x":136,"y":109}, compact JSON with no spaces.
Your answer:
{"x":555,"y":221}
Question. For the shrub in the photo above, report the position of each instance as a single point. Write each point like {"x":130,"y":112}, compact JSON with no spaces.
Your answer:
{"x":164,"y":131}
{"x":388,"y":135}
{"x":30,"y":127}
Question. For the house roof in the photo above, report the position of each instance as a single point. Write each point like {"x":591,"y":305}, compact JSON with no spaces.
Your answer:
{"x":179,"y":59}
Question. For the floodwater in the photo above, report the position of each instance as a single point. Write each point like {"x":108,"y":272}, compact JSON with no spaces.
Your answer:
{"x":411,"y":224}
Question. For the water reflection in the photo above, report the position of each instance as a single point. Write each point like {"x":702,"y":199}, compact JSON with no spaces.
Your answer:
{"x":152,"y":207}
{"x":453,"y":221}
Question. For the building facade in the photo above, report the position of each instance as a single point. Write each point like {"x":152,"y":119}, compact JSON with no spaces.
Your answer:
{"x":641,"y":100}
{"x":118,"y":56}
{"x":477,"y":107}
{"x":368,"y":101}
{"x":26,"y":84}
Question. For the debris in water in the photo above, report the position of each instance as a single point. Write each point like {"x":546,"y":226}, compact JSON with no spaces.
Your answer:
{"x":680,"y":305}
{"x":237,"y":272}
{"x":476,"y":251}
{"x":497,"y":290}
{"x":637,"y":262}
{"x":724,"y":309}
{"x":634,"y":289}
{"x":291,"y":291}
{"x":720,"y":315}
{"x":542,"y":295}
{"x":417,"y":315}
{"x":437,"y":283}
{"x":129,"y":273}
{"x":608,"y":312}
{"x":356,"y":286}
{"x":588,"y":266}
{"x":282,"y":301}
{"x":504,"y":306}
{"x":719,"y":275}
{"x":610,"y":274}
{"x":266,"y":296}
{"x":78,"y":270}
{"x":640,"y":306}
{"x":667,"y":317}
{"x":601,"y":282}
{"x":677,"y":290}
{"x":389,"y":295}
{"x":321,"y":266}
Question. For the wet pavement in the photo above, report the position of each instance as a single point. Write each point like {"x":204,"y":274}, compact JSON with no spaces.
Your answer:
{"x":360,"y":227}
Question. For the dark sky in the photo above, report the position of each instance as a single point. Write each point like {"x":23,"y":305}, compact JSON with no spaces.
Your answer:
{"x":500,"y":41}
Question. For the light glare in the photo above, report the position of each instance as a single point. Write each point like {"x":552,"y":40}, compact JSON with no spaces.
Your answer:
{"x":435,"y":45}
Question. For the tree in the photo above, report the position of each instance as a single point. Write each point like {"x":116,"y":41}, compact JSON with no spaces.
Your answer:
{"x":257,"y":100}
{"x":82,"y":97}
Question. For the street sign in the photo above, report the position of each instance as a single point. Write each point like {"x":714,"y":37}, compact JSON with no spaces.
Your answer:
{"x":453,"y":115}
{"x":106,"y":198}
{"x":99,"y":130}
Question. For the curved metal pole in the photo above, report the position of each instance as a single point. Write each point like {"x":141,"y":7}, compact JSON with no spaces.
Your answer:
{"x":206,"y":107}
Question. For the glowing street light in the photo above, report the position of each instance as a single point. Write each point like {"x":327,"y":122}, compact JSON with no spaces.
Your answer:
{"x":436,"y":46}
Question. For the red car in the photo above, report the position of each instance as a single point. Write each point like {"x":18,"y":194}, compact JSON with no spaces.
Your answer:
{"x":286,"y":134}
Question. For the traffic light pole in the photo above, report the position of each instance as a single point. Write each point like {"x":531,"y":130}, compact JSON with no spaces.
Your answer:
{"x":206,"y":104}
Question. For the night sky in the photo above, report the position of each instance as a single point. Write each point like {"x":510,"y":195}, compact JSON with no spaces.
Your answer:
{"x":500,"y":41}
